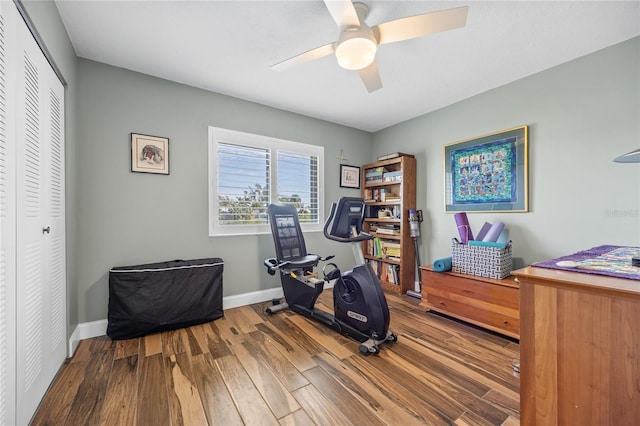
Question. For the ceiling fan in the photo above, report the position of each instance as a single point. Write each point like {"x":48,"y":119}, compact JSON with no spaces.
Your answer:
{"x":357,"y":43}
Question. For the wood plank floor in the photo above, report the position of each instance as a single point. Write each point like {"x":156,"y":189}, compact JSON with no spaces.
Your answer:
{"x":250,"y":368}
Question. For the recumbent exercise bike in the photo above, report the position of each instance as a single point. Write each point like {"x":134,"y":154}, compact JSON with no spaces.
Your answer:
{"x":360,"y":307}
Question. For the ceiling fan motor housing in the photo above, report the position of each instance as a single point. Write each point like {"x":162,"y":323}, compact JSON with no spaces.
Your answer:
{"x":356,"y":47}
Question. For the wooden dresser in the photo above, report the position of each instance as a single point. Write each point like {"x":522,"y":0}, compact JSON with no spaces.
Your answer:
{"x":579,"y":348}
{"x":488,"y":303}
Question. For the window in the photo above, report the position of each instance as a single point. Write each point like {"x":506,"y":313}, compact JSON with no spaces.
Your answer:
{"x":248,"y":172}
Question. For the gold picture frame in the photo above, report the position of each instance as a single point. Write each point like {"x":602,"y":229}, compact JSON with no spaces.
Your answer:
{"x":488,"y":173}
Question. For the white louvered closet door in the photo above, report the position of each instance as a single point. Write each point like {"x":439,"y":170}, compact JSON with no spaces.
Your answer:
{"x":7,"y":220}
{"x":40,"y":248}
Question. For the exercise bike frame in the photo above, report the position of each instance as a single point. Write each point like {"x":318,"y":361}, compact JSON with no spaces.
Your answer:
{"x":301,"y":295}
{"x":302,"y":288}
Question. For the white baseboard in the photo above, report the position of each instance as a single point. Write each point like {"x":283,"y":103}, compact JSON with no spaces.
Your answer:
{"x":251,"y":298}
{"x":88,"y":330}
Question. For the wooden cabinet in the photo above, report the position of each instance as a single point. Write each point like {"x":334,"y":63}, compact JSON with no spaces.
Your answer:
{"x":488,"y":303}
{"x":579,"y":348}
{"x":389,"y":191}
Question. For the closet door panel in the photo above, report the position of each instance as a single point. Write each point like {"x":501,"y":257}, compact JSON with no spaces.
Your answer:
{"x":7,"y":221}
{"x":41,"y":294}
{"x":55,"y":253}
{"x":32,"y":231}
{"x":31,"y":373}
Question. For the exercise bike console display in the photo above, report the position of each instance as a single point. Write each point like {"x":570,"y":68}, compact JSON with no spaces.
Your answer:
{"x":347,"y":218}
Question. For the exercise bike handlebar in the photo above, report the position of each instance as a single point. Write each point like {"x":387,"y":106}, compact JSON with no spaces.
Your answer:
{"x":362,"y":236}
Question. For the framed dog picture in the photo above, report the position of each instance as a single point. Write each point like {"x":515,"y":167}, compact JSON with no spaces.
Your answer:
{"x":149,"y":154}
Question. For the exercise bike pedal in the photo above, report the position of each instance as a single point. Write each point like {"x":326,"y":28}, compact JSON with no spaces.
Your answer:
{"x":277,"y":306}
{"x":391,"y":337}
{"x":369,"y":349}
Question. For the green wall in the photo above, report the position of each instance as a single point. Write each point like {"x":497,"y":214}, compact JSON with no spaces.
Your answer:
{"x":127,"y":218}
{"x":581,"y":115}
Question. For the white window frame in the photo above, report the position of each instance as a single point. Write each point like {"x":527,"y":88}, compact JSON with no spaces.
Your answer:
{"x":216,"y":135}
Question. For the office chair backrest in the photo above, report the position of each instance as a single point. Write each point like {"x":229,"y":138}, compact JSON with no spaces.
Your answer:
{"x":286,"y":231}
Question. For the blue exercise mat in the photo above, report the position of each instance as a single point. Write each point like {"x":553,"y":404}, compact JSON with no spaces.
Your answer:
{"x":442,"y":265}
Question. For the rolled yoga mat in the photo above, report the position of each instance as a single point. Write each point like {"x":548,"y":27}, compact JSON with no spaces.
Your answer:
{"x":494,"y":232}
{"x":442,"y":265}
{"x":483,"y":231}
{"x":464,"y":229}
{"x":504,"y":236}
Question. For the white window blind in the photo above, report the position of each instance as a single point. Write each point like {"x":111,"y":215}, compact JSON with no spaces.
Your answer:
{"x":298,"y":184}
{"x":243,"y":175}
{"x":248,"y":172}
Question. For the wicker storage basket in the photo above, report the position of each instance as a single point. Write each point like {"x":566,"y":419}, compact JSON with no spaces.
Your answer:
{"x":489,"y":262}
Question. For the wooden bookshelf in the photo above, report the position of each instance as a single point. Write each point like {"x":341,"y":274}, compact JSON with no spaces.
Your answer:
{"x":393,"y":190}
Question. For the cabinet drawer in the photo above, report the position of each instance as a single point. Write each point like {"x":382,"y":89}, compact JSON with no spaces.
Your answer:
{"x":488,"y":303}
{"x":498,"y":320}
{"x":493,"y":294}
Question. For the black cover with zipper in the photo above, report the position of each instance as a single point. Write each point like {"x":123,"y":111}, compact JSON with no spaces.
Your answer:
{"x":146,"y":299}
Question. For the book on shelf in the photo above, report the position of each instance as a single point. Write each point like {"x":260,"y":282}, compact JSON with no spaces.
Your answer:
{"x":378,"y":194}
{"x":381,"y":230}
{"x":369,"y":248}
{"x":395,"y":176}
{"x":375,"y":175}
{"x":388,"y":196}
{"x":393,"y":273}
{"x":386,"y":272}
{"x":387,"y":229}
{"x":391,"y":249}
{"x":393,"y":155}
{"x":374,"y":248}
{"x":383,"y":249}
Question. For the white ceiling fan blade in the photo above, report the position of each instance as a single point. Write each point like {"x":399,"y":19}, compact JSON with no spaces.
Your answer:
{"x":371,"y":77}
{"x":343,"y":12}
{"x":421,"y":25}
{"x":309,"y":55}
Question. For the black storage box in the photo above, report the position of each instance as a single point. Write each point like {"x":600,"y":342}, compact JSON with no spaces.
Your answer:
{"x":146,"y":299}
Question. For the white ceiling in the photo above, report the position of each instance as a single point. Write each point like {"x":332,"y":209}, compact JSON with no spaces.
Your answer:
{"x":228,"y":47}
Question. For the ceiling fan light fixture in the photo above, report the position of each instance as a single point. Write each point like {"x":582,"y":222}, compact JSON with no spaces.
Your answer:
{"x":355,"y":51}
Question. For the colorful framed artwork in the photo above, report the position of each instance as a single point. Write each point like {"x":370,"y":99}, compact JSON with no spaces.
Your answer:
{"x":488,"y":173}
{"x":349,"y":176}
{"x":149,"y":154}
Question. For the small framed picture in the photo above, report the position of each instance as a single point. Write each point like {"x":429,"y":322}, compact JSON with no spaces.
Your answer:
{"x":349,"y":176}
{"x":149,"y":154}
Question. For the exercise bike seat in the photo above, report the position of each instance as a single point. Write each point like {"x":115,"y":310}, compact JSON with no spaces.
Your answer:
{"x":291,"y":251}
{"x":308,"y":261}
